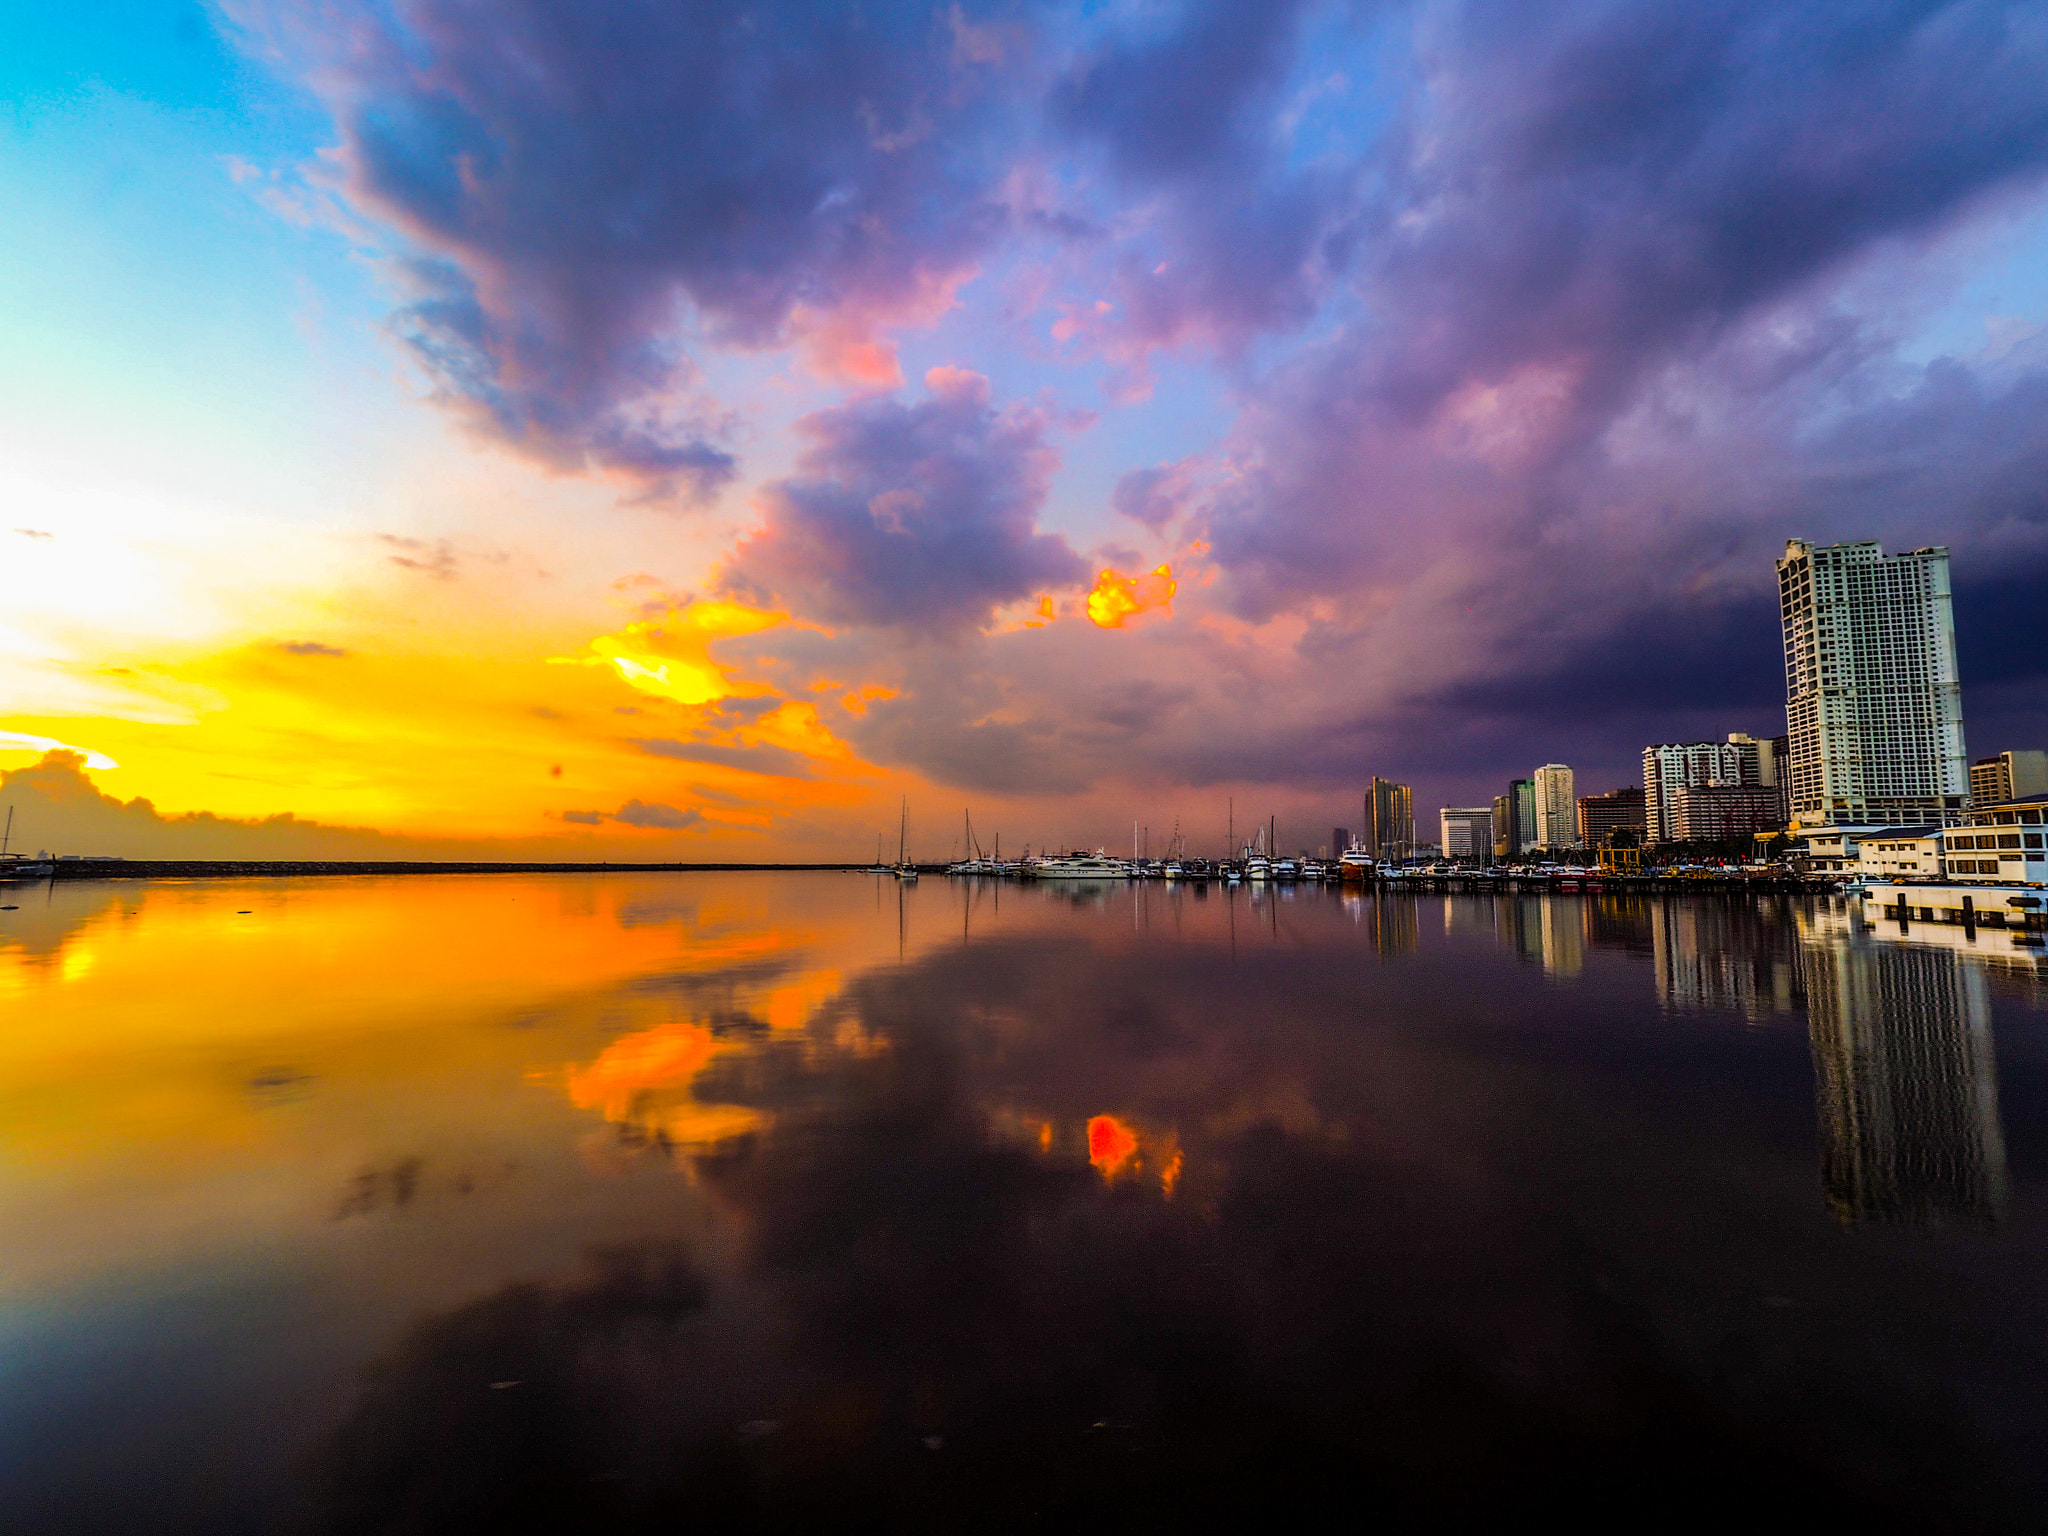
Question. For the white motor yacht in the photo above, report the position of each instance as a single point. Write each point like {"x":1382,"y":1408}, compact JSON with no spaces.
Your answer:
{"x":1080,"y":866}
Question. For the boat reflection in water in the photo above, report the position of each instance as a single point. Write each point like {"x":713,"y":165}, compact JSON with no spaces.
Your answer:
{"x":761,"y":1201}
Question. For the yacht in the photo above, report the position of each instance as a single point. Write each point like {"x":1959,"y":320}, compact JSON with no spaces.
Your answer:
{"x":1080,"y":866}
{"x":1354,"y":864}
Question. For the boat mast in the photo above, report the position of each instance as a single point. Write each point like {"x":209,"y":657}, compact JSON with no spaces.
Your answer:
{"x":1230,"y":837}
{"x":903,"y":833}
{"x":7,"y":836}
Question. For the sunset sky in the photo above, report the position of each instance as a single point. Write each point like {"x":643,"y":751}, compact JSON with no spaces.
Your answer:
{"x":631,"y":430}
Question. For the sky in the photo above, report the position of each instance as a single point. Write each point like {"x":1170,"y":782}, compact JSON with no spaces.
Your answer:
{"x":617,"y":430}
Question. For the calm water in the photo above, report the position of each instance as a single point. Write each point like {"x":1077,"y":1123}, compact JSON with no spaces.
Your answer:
{"x":802,"y":1202}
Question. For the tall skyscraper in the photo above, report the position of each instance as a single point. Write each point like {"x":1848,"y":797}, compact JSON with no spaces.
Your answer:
{"x":1505,"y":844}
{"x":1389,"y":820}
{"x":1557,"y":807}
{"x":1340,"y":839}
{"x":1873,"y":703}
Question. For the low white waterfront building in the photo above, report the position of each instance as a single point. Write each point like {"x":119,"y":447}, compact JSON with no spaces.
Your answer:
{"x":2006,"y":844}
{"x":1901,"y":853}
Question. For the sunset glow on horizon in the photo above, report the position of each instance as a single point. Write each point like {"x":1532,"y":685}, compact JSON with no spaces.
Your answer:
{"x":1066,"y":414}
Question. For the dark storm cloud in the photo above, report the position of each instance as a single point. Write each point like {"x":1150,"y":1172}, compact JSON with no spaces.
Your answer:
{"x":918,"y":516}
{"x":1579,"y":194}
{"x":582,"y":177}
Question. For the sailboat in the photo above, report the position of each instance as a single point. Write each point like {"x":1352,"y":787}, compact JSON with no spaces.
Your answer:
{"x":975,"y":861}
{"x":1258,"y":867}
{"x":905,"y":870}
{"x":880,"y":866}
{"x":19,"y":866}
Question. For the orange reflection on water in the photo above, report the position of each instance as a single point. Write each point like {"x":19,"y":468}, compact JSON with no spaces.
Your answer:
{"x":1111,"y":1144}
{"x":645,"y":1080}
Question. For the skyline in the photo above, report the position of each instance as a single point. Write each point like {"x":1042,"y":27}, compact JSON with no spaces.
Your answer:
{"x":451,"y":425}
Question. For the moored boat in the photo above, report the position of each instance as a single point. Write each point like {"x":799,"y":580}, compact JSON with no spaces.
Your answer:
{"x":1079,"y":866}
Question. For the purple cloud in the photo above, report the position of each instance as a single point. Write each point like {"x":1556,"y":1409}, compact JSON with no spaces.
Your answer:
{"x":1544,"y":327}
{"x":914,"y":517}
{"x":586,"y":184}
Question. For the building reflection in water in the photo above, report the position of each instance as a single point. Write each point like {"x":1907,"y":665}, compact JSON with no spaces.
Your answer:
{"x":1739,"y":955}
{"x":1905,"y":1079}
{"x":1548,"y":929}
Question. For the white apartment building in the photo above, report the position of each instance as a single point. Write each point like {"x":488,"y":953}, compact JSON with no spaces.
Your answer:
{"x":1557,"y":806}
{"x":1467,"y":832}
{"x":1671,"y":766}
{"x":1872,"y":698}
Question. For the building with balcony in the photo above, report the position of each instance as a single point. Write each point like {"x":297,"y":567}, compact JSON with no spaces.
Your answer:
{"x":1873,"y":701}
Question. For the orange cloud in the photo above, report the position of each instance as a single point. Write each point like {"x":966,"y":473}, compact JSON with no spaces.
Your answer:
{"x":1116,"y":598}
{"x":670,"y":656}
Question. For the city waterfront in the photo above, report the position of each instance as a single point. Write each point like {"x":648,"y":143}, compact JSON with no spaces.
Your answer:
{"x":824,"y":1200}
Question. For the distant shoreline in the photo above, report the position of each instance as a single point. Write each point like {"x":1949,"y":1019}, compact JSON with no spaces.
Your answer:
{"x":227,"y":869}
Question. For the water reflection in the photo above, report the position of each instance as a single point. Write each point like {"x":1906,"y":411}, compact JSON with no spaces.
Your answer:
{"x":751,"y":1201}
{"x":1905,"y":1078}
{"x":1743,"y":956}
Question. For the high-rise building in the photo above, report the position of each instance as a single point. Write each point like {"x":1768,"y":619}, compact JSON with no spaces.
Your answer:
{"x":1873,"y":703}
{"x":1527,"y":833}
{"x":1719,"y":813}
{"x":2008,"y":776}
{"x":1389,"y":820}
{"x":1467,"y":832}
{"x":1601,"y":816}
{"x":1505,"y":844}
{"x":1340,"y":839}
{"x":1765,"y":762}
{"x":1671,"y":766}
{"x":1557,"y":807}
